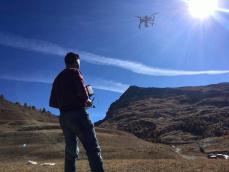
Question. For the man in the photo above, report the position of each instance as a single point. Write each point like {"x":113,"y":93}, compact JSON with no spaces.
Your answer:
{"x":70,"y":96}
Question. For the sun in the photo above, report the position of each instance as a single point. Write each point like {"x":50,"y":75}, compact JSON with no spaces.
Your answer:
{"x":202,"y":9}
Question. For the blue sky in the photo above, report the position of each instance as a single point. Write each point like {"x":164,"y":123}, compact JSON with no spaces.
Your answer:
{"x":178,"y":51}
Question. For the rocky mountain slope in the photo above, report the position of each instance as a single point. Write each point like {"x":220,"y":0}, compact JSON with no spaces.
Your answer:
{"x":184,"y":115}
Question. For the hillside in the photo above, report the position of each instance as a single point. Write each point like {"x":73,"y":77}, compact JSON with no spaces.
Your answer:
{"x":30,"y":134}
{"x":27,"y":133}
{"x":185,"y":115}
{"x":13,"y":115}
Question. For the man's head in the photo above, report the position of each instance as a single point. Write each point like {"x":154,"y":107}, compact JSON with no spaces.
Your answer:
{"x":72,"y":60}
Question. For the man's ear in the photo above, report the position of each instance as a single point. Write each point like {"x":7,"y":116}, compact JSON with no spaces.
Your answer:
{"x":78,"y":63}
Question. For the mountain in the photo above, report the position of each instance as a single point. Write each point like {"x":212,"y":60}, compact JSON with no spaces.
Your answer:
{"x":15,"y":115}
{"x":183,"y":115}
{"x":27,"y":133}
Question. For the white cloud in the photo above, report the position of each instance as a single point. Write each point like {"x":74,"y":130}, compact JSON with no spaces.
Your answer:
{"x":143,"y":69}
{"x":135,"y":67}
{"x":109,"y":85}
{"x":101,"y":84}
{"x":31,"y":44}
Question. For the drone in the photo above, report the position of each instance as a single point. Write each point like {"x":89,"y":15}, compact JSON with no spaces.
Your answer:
{"x":147,"y":20}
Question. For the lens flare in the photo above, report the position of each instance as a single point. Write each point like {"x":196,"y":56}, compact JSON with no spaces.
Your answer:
{"x":202,"y":9}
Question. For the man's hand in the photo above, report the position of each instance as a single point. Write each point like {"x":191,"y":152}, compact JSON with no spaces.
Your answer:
{"x":89,"y":103}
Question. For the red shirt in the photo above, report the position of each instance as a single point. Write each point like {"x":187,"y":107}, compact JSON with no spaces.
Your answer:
{"x":68,"y":91}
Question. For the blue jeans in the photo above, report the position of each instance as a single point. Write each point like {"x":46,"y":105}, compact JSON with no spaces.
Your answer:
{"x":77,"y":125}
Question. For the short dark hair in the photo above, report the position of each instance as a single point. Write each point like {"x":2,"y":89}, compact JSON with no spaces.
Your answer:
{"x":71,"y":58}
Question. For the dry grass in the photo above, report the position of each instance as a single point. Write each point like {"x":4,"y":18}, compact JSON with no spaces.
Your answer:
{"x":127,"y":166}
{"x":49,"y":144}
{"x":122,"y":152}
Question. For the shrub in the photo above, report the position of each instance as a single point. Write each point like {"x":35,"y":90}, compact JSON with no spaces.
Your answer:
{"x":1,"y":96}
{"x":17,"y":103}
{"x":194,"y":126}
{"x":43,"y":110}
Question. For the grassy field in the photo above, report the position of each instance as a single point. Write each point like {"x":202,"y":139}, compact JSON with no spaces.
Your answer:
{"x":127,"y":166}
{"x":122,"y":152}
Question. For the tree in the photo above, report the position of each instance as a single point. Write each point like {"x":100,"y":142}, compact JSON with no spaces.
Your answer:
{"x":1,"y":96}
{"x":17,"y":103}
{"x":43,"y":110}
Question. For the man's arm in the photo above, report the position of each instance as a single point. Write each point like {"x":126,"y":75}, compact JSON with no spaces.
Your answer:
{"x":53,"y":97}
{"x":79,"y":84}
